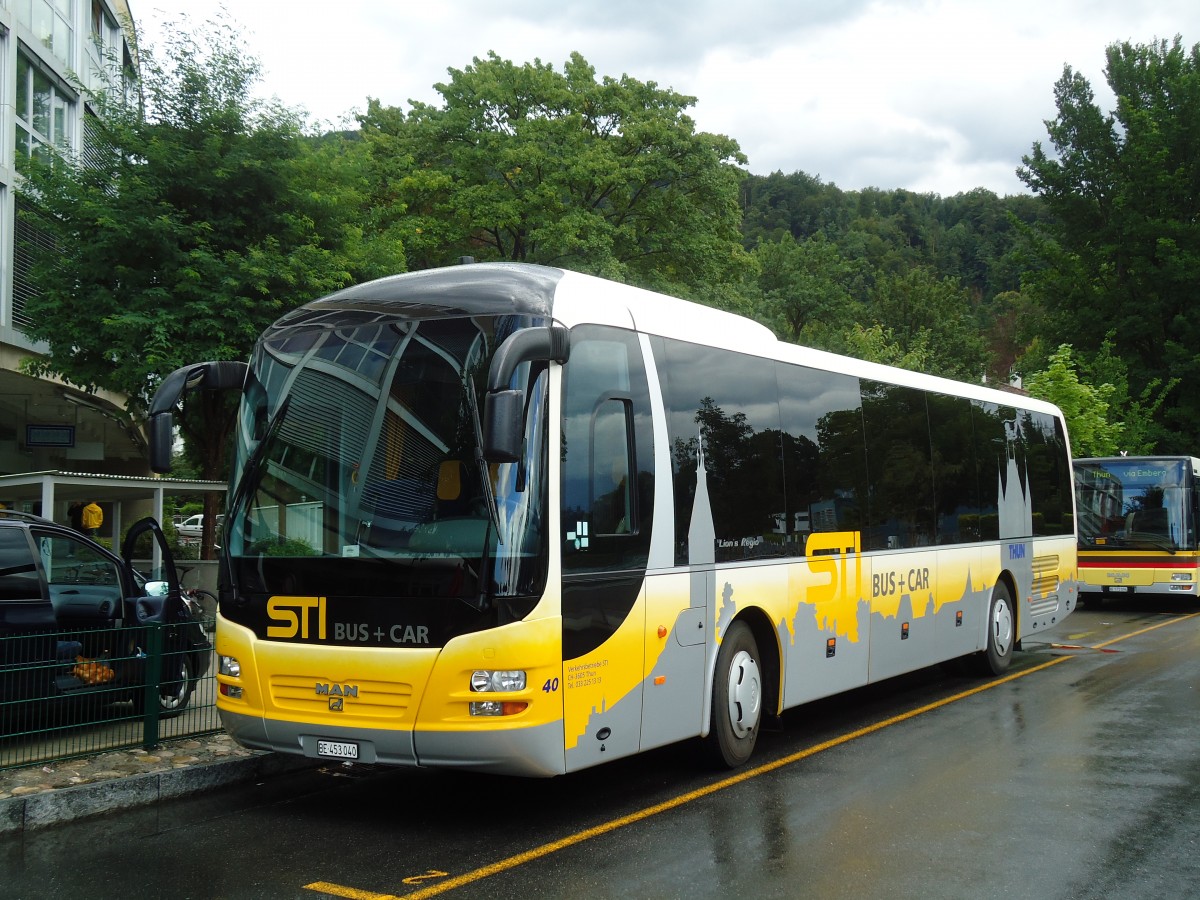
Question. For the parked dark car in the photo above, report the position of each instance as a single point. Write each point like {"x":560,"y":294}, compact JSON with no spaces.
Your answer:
{"x":78,"y":621}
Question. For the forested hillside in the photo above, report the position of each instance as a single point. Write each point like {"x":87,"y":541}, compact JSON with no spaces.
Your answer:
{"x":938,"y":276}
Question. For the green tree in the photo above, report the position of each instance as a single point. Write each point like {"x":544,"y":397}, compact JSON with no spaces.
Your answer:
{"x":198,"y":216}
{"x":875,"y":343}
{"x":801,"y":205}
{"x":525,"y":163}
{"x":806,"y":287}
{"x":1125,"y":190}
{"x":922,"y":310}
{"x":195,"y":221}
{"x":1086,"y":407}
{"x":1139,"y":434}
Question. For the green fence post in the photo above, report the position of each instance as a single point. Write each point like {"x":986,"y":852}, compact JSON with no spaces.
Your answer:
{"x":154,"y":667}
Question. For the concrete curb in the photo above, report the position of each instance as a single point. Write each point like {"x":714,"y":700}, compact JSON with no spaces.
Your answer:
{"x":49,"y":808}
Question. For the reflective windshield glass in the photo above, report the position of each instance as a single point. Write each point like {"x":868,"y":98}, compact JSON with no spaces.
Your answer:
{"x":1130,"y":502}
{"x":360,"y":475}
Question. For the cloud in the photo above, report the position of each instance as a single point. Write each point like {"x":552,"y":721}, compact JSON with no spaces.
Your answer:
{"x":931,"y":95}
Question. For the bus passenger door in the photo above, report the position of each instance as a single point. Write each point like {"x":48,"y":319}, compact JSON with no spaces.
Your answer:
{"x":606,"y":516}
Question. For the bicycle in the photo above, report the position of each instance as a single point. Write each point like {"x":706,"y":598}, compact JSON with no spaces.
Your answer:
{"x":201,"y":605}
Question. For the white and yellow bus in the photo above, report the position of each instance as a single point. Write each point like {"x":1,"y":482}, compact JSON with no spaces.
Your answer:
{"x":1137,"y":526}
{"x":516,"y":519}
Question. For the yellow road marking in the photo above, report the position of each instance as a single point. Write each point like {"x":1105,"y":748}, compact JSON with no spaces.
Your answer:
{"x":1124,"y":637}
{"x":339,"y":890}
{"x":579,"y":837}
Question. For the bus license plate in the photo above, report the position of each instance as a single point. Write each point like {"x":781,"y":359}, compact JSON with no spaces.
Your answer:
{"x":1119,"y":589}
{"x":337,"y":749}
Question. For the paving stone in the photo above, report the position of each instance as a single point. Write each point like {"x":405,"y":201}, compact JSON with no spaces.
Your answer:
{"x":43,"y":795}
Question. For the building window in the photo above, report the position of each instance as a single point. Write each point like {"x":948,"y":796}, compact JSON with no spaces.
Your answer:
{"x":44,"y":112}
{"x":29,"y":236}
{"x":105,"y":32}
{"x":50,"y":21}
{"x":91,"y":154}
{"x":106,"y":50}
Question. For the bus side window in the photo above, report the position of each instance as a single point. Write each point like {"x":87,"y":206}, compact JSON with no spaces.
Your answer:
{"x":1195,"y":512}
{"x":612,"y":501}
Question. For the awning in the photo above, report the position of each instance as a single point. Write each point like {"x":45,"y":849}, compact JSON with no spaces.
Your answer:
{"x":50,"y":493}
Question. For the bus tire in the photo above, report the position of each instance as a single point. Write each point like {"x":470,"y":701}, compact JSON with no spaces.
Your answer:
{"x":737,"y":698}
{"x":1001,"y":633}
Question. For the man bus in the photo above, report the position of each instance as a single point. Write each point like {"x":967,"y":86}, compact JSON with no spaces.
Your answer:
{"x":1137,"y":526}
{"x":516,"y":519}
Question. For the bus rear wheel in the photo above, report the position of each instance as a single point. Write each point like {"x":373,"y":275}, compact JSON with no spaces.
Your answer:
{"x":737,"y":698}
{"x":1002,"y":633}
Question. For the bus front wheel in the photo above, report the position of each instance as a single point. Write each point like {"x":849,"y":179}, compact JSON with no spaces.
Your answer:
{"x":1002,"y":633}
{"x":736,"y":698}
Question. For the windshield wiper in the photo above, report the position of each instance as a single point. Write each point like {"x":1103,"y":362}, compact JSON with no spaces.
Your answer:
{"x":483,"y":601}
{"x":250,"y":471}
{"x":489,"y":494}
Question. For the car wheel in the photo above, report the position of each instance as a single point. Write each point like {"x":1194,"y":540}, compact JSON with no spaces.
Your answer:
{"x":176,"y":688}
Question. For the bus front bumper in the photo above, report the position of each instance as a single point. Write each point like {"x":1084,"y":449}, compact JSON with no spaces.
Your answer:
{"x":535,"y":751}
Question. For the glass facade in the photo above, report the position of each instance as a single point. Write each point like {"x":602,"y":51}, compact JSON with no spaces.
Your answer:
{"x":42,"y":54}
{"x":47,"y":47}
{"x":51,"y":22}
{"x":45,"y":112}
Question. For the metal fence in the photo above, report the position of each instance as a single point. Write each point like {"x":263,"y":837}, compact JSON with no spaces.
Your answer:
{"x":74,"y":693}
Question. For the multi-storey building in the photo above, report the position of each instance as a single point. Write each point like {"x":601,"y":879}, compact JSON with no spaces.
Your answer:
{"x":46,"y":48}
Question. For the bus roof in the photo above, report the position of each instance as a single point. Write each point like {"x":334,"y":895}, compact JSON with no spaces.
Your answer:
{"x":572,"y":298}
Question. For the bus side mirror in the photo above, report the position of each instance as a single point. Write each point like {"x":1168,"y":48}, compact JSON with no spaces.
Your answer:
{"x":504,"y":406}
{"x":503,"y":426}
{"x":161,"y":439}
{"x":209,"y":376}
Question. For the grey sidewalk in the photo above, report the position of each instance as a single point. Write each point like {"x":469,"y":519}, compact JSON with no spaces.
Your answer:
{"x":44,"y":795}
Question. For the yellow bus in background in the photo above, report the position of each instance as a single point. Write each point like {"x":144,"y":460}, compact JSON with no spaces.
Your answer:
{"x":1137,"y":526}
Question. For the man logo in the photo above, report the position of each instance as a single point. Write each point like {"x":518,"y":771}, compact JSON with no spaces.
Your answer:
{"x":336,"y":694}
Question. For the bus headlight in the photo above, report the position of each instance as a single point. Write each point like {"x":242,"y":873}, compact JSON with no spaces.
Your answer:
{"x":1181,"y":576}
{"x":500,"y":680}
{"x":228,"y":665}
{"x":497,"y":681}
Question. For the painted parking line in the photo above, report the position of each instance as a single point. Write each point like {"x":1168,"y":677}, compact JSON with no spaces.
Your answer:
{"x":431,"y":883}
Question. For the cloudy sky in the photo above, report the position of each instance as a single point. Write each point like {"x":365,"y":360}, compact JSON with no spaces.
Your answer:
{"x":935,"y":96}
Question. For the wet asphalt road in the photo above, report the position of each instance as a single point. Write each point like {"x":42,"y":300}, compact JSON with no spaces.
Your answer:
{"x":1078,"y":776}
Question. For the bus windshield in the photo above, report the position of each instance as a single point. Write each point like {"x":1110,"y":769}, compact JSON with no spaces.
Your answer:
{"x":358,"y":472}
{"x":1136,"y":503}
